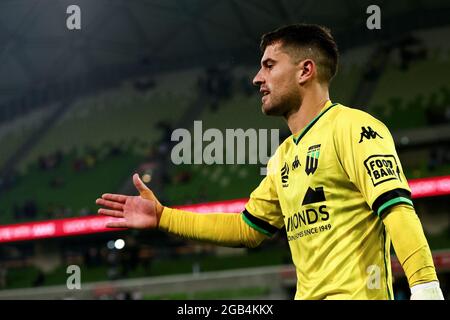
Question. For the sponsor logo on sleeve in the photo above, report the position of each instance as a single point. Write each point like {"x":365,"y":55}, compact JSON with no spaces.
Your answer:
{"x":382,"y":168}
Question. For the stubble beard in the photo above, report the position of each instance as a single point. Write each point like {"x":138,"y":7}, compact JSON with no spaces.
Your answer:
{"x":282,"y":107}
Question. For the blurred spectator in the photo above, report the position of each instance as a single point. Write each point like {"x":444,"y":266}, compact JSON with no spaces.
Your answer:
{"x":411,"y":49}
{"x":114,"y":150}
{"x":78,"y":165}
{"x":216,"y":84}
{"x":89,"y":159}
{"x":50,"y":161}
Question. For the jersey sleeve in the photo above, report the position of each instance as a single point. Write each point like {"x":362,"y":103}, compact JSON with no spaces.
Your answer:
{"x":262,"y":212}
{"x":366,"y":150}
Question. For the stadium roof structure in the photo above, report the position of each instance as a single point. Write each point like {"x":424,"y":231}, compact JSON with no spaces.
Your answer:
{"x":119,"y":38}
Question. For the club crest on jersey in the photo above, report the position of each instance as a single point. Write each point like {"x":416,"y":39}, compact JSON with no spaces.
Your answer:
{"x":312,"y":159}
{"x":285,"y":175}
{"x":382,"y":168}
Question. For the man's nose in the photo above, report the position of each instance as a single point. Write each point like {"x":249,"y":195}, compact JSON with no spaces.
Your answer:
{"x":258,"y":80}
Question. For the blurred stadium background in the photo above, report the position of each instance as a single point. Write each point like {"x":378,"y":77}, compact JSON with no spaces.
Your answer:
{"x":81,"y":111}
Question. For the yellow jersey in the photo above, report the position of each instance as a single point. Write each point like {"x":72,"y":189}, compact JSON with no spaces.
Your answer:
{"x":329,"y":187}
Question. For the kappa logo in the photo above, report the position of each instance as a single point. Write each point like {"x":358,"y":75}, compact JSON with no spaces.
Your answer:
{"x":312,"y":159}
{"x":382,"y":168}
{"x":368,"y":133}
{"x":296,"y":163}
{"x":285,"y":175}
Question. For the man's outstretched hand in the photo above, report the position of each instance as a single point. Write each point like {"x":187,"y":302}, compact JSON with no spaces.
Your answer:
{"x":137,"y":212}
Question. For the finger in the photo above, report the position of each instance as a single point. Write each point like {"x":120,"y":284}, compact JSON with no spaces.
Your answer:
{"x":115,"y":197}
{"x":110,"y":204}
{"x":117,"y":224}
{"x":140,"y":186}
{"x":110,"y":213}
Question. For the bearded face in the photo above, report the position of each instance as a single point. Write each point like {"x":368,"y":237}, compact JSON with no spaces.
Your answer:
{"x":277,"y":80}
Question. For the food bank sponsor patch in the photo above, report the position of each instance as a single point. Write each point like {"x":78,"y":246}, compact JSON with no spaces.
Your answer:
{"x":382,"y":168}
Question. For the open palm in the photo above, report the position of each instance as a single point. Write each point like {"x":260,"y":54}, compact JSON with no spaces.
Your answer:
{"x":137,"y":212}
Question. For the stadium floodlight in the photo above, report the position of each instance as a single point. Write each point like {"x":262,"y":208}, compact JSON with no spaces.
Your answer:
{"x":111,"y":244}
{"x":119,"y":244}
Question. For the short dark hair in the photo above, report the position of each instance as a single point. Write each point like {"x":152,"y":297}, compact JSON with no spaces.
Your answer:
{"x":323,"y":49}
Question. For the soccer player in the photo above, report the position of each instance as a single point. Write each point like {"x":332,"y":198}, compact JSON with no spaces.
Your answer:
{"x":336,"y":185}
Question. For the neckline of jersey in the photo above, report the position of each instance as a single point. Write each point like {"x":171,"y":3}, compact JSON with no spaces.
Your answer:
{"x":311,"y":123}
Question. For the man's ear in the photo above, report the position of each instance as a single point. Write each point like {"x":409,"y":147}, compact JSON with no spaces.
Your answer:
{"x":307,"y":71}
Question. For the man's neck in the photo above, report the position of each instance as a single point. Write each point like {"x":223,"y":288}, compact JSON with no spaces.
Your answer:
{"x":312,"y":104}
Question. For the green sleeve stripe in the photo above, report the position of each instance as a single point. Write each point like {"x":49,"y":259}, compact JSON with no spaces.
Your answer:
{"x":254,"y":226}
{"x":392,"y":202}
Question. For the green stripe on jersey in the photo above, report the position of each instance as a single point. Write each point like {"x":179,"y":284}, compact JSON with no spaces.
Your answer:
{"x":254,"y":226}
{"x":310,"y":124}
{"x":392,"y":202}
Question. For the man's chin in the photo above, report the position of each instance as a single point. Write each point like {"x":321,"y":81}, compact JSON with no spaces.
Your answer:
{"x":270,"y":110}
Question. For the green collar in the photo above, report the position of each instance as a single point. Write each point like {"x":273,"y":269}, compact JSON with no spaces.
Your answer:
{"x":310,"y":124}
